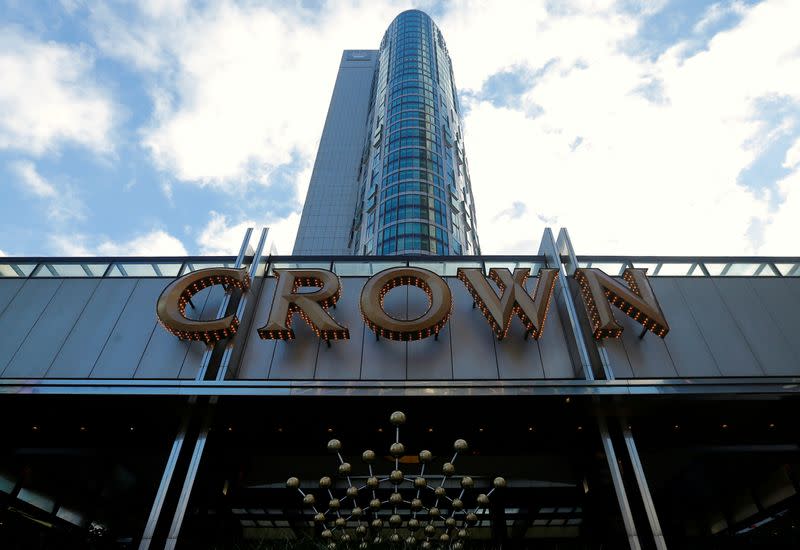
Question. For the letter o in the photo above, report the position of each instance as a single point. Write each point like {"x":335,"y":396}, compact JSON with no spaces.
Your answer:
{"x":431,"y":322}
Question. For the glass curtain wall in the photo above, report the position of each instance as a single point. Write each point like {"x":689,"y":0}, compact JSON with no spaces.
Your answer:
{"x":417,"y":197}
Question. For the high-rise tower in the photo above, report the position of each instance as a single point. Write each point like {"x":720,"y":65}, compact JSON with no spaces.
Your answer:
{"x":392,"y":153}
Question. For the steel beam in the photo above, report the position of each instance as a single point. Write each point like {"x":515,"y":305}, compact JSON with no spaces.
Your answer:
{"x":564,"y":247}
{"x":644,"y":489}
{"x":200,"y":444}
{"x":166,"y":479}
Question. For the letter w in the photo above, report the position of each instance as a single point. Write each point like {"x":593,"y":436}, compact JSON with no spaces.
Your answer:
{"x":514,"y":298}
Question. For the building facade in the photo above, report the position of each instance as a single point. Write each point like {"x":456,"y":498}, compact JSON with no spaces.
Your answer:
{"x":389,"y":387}
{"x":121,"y":430}
{"x":327,"y":218}
{"x":391,"y":175}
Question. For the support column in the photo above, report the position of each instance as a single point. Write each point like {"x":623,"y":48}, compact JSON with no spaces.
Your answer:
{"x":166,"y":479}
{"x":566,"y":305}
{"x":564,"y":247}
{"x":188,"y":480}
{"x":644,"y":489}
{"x":554,"y":251}
{"x":182,"y":465}
{"x":619,"y":486}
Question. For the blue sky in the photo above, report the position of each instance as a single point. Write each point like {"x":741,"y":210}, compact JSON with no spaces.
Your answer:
{"x":644,"y":126}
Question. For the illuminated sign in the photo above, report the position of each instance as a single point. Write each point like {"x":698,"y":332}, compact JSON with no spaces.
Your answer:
{"x":312,"y":306}
{"x":171,"y":305}
{"x":440,"y":302}
{"x":311,"y":293}
{"x":637,"y":300}
{"x":514,"y":299}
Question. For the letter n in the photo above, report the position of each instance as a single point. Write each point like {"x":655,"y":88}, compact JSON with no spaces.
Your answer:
{"x":637,"y":300}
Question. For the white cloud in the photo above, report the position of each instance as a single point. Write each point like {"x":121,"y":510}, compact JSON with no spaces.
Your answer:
{"x":70,"y":6}
{"x":162,"y":8}
{"x":154,"y":243}
{"x":282,"y":232}
{"x":792,"y":158}
{"x":222,"y":237}
{"x":716,"y":13}
{"x":579,"y":31}
{"x":118,"y":36}
{"x":648,"y":177}
{"x":71,"y":245}
{"x":240,"y":88}
{"x":2,"y":253}
{"x":781,"y":230}
{"x":63,"y":202}
{"x":166,"y":189}
{"x":32,"y":180}
{"x":48,"y":96}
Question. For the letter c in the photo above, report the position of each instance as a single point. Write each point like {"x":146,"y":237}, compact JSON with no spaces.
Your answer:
{"x":171,"y":305}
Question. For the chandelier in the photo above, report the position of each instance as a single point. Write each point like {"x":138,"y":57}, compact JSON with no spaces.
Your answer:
{"x":422,"y":511}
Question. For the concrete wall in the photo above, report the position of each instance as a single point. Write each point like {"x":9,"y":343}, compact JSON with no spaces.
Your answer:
{"x":333,"y":191}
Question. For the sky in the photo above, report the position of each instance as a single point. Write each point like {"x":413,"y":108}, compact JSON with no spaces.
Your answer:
{"x":666,"y":127}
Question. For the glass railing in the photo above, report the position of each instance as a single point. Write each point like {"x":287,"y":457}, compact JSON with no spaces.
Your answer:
{"x":680,"y":266}
{"x":365,"y":266}
{"x":108,"y":267}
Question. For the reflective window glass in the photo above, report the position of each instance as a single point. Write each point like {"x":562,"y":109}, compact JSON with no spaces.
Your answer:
{"x":789,"y":269}
{"x":362,"y":268}
{"x":298,"y":265}
{"x":16,"y":270}
{"x":138,"y":269}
